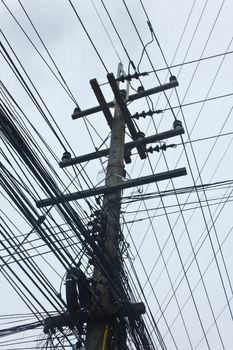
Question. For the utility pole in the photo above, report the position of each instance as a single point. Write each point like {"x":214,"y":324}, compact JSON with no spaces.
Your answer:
{"x":103,"y":309}
{"x":99,"y":332}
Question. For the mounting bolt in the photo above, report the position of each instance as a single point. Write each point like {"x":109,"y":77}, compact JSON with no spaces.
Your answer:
{"x":177,"y":124}
{"x":66,"y":156}
{"x":140,"y":89}
{"x":172,"y":78}
{"x":140,"y":135}
{"x":77,"y":109}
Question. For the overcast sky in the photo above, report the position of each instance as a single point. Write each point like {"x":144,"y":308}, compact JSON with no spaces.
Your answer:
{"x":199,"y":241}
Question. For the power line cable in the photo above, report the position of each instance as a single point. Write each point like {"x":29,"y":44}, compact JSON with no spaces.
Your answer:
{"x":106,"y":31}
{"x":219,"y":11}
{"x":88,"y":35}
{"x":64,"y":84}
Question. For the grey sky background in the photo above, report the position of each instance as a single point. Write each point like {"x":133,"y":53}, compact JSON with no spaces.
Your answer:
{"x":186,"y":30}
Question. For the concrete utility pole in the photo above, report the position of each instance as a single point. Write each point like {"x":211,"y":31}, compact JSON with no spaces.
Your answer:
{"x":102,"y":310}
{"x":99,"y":332}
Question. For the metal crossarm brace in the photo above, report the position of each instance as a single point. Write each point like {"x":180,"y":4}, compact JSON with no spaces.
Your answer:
{"x":100,"y":97}
{"x":173,"y":83}
{"x":125,"y":112}
{"x":104,"y":189}
{"x":103,"y":104}
{"x":121,"y":103}
{"x":129,"y":145}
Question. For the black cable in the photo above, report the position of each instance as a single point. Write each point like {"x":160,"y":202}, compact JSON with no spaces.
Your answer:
{"x":204,"y":272}
{"x":92,"y":43}
{"x":201,"y":244}
{"x":49,"y":54}
{"x":196,"y":189}
{"x":173,"y":212}
{"x":199,"y":174}
{"x":117,"y":33}
{"x":65,"y":86}
{"x":179,"y":190}
{"x":151,"y":63}
{"x":105,"y":29}
{"x":182,"y":105}
{"x":27,"y":89}
{"x":226,"y":201}
{"x":44,"y":178}
{"x":84,"y":176}
{"x":205,"y":46}
{"x":141,"y":291}
{"x":192,"y":61}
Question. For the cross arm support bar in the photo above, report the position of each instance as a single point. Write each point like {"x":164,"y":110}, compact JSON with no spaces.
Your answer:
{"x":122,"y":105}
{"x":103,"y":104}
{"x":126,"y":114}
{"x":129,"y":145}
{"x":173,"y":83}
{"x":105,"y":189}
